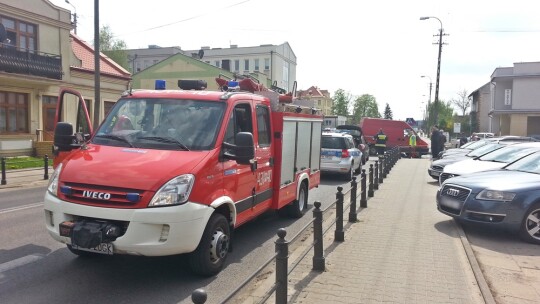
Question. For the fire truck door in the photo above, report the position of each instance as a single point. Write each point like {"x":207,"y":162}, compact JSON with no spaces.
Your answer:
{"x":264,"y":159}
{"x":240,"y":180}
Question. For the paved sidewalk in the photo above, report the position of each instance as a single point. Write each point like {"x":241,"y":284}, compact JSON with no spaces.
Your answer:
{"x":401,"y":251}
{"x":26,"y":178}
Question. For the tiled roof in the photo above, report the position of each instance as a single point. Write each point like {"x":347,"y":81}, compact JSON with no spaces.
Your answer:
{"x":84,"y":52}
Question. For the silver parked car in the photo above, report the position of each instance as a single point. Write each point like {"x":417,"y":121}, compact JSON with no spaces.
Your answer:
{"x":508,"y":198}
{"x":340,"y":155}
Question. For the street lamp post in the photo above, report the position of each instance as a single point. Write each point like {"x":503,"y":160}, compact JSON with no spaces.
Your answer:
{"x":436,"y":102}
{"x":429,"y":101}
{"x":74,"y":16}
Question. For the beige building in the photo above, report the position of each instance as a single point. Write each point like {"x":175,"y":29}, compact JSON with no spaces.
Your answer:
{"x":38,"y":56}
{"x":510,"y":103}
{"x":319,"y":99}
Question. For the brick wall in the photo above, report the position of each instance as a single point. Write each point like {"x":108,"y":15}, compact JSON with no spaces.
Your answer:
{"x":42,"y":148}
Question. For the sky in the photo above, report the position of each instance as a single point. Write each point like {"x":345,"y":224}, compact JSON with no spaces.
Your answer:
{"x":381,"y":48}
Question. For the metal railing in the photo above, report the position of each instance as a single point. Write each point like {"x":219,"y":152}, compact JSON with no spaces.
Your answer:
{"x":29,"y":62}
{"x":368,"y":184}
{"x":5,"y":163}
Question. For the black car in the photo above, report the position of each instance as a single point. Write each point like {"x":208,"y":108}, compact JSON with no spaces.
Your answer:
{"x":358,"y":137}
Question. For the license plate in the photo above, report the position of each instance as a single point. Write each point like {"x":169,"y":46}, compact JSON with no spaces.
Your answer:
{"x":450,"y":203}
{"x":103,"y":248}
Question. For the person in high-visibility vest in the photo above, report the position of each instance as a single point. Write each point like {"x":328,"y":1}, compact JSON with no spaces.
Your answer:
{"x":380,"y":142}
{"x":412,"y":143}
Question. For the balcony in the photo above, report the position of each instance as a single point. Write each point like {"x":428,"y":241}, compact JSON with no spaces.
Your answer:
{"x":13,"y":60}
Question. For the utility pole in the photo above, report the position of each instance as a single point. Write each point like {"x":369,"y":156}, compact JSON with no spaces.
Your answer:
{"x":74,"y":16}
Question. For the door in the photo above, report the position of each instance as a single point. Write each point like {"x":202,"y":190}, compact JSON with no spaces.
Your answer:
{"x":240,"y":180}
{"x":49,"y":113}
{"x":264,"y":159}
{"x":71,"y":108}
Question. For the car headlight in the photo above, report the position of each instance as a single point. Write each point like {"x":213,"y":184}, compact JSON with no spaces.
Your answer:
{"x":52,"y":187}
{"x":494,"y":195}
{"x":174,"y":192}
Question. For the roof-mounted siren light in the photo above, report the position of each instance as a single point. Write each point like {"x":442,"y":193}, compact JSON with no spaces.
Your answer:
{"x":198,"y":85}
{"x":160,"y":84}
{"x":231,"y":86}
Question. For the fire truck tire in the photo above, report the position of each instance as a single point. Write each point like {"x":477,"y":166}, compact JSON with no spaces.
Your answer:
{"x":209,"y":257}
{"x":299,"y":206}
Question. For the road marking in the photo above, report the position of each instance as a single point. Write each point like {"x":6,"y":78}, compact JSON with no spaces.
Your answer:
{"x":19,"y":262}
{"x":13,"y":209}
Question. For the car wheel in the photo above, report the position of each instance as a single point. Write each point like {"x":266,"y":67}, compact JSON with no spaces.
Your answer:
{"x":358,"y":170}
{"x":209,"y":257}
{"x":349,"y":175}
{"x":530,"y":227}
{"x":372,"y":150}
{"x":299,"y":206}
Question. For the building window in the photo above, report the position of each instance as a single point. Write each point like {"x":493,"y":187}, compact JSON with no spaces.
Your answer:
{"x":13,"y":113}
{"x":256,"y":64}
{"x":20,"y":34}
{"x":266,"y":64}
{"x":246,"y":65}
{"x":217,"y":63}
{"x":237,"y":65}
{"x":108,"y":105}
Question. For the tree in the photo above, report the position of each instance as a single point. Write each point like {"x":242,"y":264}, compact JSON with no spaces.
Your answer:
{"x":463,"y":103}
{"x":445,"y":115}
{"x":341,"y":103}
{"x":114,"y":48}
{"x":365,"y":106}
{"x":388,"y":112}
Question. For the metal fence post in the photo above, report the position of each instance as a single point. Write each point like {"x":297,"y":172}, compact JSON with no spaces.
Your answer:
{"x":318,"y":256}
{"x":46,"y":166}
{"x":376,"y":177}
{"x":282,"y":260}
{"x":199,"y":296}
{"x":4,"y":171}
{"x":381,"y":168}
{"x":339,"y":235}
{"x":370,"y":184}
{"x":363,"y":198}
{"x":385,"y":169}
{"x":352,"y":210}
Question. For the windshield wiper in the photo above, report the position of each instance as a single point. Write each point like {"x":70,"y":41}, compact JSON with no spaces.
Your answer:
{"x":115,"y":137}
{"x":166,"y":140}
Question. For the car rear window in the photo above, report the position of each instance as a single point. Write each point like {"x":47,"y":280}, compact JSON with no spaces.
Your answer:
{"x":333,"y":143}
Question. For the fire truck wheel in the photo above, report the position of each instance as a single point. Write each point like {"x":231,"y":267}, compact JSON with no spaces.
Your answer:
{"x":298,"y":207}
{"x":210,"y":255}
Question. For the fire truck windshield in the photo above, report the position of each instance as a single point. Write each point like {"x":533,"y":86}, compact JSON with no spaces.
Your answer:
{"x":162,"y":124}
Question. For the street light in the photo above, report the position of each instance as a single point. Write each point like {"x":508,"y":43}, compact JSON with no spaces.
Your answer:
{"x":74,"y":16}
{"x":429,"y":101}
{"x":436,"y":102}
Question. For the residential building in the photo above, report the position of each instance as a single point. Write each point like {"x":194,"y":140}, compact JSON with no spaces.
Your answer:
{"x":277,"y":63}
{"x":480,"y":107}
{"x":514,"y":95}
{"x":38,"y":56}
{"x":332,"y":121}
{"x":320,"y":99}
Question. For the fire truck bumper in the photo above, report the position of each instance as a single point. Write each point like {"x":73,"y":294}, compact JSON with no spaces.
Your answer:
{"x":148,"y":232}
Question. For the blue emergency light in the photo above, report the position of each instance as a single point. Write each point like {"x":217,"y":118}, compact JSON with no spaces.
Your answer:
{"x":160,"y":84}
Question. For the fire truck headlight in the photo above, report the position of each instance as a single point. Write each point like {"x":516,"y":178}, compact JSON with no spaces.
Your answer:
{"x":174,"y":192}
{"x":53,"y":181}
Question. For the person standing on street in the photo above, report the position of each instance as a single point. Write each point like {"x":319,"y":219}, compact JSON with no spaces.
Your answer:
{"x":442,"y":140}
{"x":380,"y":142}
{"x":435,"y":139}
{"x":412,"y":143}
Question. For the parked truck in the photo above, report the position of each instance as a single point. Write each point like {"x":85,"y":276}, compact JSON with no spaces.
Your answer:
{"x":176,"y":171}
{"x":397,"y":132}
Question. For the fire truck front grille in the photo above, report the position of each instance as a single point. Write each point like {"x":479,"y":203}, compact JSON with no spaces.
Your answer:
{"x":97,"y":195}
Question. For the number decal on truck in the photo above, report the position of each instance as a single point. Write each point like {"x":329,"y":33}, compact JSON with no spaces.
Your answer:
{"x":264,"y":177}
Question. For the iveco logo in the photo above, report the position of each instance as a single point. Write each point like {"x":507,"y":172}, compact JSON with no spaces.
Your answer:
{"x":452,"y":192}
{"x":97,"y":195}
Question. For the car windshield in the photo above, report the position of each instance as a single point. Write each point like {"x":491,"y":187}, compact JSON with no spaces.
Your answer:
{"x":477,"y":144}
{"x":484,"y":149}
{"x":166,"y":124}
{"x":530,"y":163}
{"x":508,"y":154}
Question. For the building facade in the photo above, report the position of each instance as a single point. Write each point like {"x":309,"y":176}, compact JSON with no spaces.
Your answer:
{"x":38,"y":56}
{"x":515,"y":100}
{"x":480,"y":107}
{"x":276,"y":62}
{"x":320,"y":99}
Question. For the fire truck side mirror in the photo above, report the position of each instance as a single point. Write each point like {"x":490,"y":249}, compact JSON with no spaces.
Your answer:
{"x":244,"y":149}
{"x":63,"y":136}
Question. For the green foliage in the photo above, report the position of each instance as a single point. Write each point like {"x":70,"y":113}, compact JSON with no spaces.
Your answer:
{"x":445,"y":113}
{"x":115,"y":49}
{"x":341,"y":103}
{"x":24,"y":162}
{"x":388,"y":112}
{"x":365,"y":106}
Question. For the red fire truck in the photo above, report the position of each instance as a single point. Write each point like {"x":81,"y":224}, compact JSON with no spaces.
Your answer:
{"x":176,"y":171}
